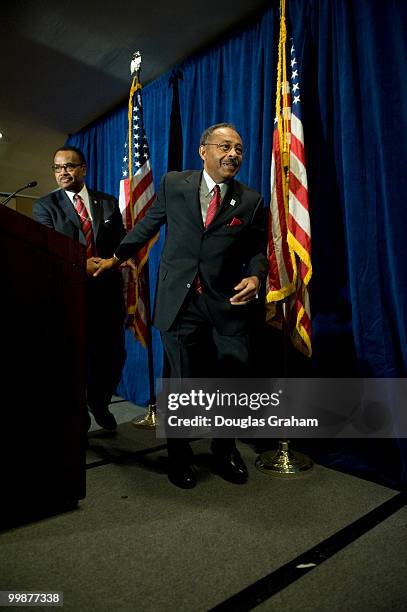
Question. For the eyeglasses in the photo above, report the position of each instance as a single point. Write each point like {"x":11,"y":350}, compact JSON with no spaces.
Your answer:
{"x":59,"y":167}
{"x":226,"y":147}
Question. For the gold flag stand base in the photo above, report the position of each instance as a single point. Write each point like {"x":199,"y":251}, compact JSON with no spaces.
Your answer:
{"x":148,"y":420}
{"x":283,"y":463}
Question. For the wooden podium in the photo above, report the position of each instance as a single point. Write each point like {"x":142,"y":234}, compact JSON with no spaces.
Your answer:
{"x":42,"y":415}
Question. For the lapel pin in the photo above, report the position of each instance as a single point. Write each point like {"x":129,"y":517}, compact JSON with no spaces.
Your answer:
{"x":232,"y":202}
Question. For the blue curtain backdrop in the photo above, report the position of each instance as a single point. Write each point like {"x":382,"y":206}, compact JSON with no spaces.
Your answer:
{"x":234,"y":82}
{"x":352,"y":56}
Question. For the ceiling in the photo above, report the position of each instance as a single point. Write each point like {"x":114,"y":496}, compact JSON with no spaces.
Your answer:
{"x":65,"y":63}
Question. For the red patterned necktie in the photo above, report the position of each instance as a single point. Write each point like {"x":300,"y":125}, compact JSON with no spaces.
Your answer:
{"x":211,"y":212}
{"x":213,"y":205}
{"x":85,"y":222}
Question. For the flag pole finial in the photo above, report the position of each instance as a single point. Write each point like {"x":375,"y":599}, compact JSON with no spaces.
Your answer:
{"x":135,"y":64}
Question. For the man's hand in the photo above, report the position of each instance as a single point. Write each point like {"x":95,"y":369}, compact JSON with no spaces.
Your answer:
{"x":92,"y":265}
{"x":112,"y":263}
{"x":106,"y":264}
{"x":247,"y":289}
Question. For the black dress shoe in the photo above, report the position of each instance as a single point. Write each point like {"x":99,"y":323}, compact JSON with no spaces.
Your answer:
{"x":105,"y":419}
{"x":230,"y":466}
{"x":181,"y":475}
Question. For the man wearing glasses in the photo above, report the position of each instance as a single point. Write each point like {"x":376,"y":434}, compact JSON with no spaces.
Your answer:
{"x":94,"y":219}
{"x":211,"y":268}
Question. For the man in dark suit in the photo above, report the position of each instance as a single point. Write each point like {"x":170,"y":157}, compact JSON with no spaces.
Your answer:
{"x":211,"y":268}
{"x":95,"y":220}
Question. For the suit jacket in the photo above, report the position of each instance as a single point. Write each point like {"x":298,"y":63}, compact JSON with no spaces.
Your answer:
{"x":56,"y":211}
{"x":231,"y":248}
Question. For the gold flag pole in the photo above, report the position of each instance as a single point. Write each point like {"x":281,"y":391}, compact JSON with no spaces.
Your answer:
{"x":147,"y":421}
{"x":283,"y":463}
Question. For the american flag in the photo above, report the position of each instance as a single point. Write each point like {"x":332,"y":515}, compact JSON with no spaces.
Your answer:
{"x":136,"y":196}
{"x":289,"y":238}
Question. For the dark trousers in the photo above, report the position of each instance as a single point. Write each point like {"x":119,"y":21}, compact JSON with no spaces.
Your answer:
{"x":196,"y":349}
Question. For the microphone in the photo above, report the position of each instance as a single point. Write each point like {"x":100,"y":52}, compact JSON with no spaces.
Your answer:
{"x":29,"y":185}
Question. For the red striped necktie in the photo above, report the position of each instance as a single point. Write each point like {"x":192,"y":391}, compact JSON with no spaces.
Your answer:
{"x":211,"y":212}
{"x":213,"y":205}
{"x":85,"y":222}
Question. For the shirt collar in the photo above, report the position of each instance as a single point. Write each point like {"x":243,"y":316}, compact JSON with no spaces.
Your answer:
{"x":210,"y":183}
{"x":83,"y":193}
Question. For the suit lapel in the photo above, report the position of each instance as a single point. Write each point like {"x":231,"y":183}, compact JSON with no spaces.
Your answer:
{"x":228,"y":207}
{"x":191,"y":194}
{"x":68,"y":208}
{"x":96,"y":211}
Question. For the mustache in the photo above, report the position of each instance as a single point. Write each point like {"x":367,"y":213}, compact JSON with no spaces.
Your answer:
{"x":231,"y":160}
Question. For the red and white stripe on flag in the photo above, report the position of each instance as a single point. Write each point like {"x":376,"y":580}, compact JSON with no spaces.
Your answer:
{"x":299,"y":238}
